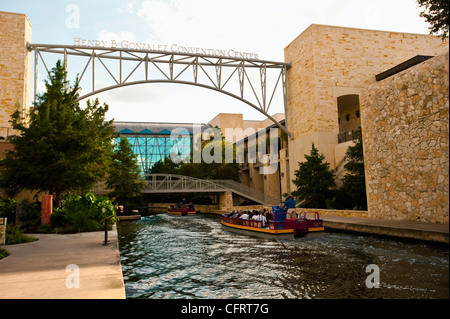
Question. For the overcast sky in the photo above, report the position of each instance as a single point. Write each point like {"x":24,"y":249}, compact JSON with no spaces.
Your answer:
{"x":261,"y":26}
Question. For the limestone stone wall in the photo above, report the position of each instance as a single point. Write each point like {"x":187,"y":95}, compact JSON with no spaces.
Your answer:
{"x":405,"y":120}
{"x":225,"y":200}
{"x":15,"y":32}
{"x":3,"y":222}
{"x":329,"y":62}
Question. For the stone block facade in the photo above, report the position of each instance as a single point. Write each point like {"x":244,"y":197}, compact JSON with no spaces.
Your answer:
{"x":330,"y":62}
{"x":3,"y":222}
{"x":405,"y":122}
{"x":15,"y":68}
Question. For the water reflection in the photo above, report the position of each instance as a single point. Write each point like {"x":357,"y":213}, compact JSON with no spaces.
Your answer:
{"x":166,"y":256}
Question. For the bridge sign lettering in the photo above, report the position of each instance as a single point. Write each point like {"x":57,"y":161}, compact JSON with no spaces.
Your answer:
{"x":175,"y":48}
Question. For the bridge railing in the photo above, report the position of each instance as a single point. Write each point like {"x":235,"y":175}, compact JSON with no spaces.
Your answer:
{"x":165,"y":183}
{"x":248,"y":191}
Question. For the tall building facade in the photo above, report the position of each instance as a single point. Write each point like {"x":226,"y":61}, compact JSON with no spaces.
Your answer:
{"x":15,"y":68}
{"x":153,"y":142}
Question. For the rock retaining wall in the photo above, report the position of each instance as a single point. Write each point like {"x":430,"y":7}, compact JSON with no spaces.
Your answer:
{"x":405,"y":120}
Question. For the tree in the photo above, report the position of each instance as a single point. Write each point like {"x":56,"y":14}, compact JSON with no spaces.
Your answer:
{"x":124,"y":174}
{"x":213,"y":164}
{"x":165,"y":166}
{"x":436,"y":13}
{"x":314,"y":180}
{"x":213,"y":147}
{"x":62,"y":147}
{"x":354,"y":183}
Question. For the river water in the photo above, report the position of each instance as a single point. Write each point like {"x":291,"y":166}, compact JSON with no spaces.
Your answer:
{"x":195,"y":257}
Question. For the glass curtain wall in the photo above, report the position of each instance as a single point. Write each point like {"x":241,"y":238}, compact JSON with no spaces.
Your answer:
{"x":150,"y":148}
{"x":152,"y":141}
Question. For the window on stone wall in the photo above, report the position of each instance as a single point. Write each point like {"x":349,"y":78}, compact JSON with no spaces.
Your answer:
{"x":348,"y":108}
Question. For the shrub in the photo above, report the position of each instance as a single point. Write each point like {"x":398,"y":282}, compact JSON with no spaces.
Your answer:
{"x":8,"y":209}
{"x":4,"y":253}
{"x":14,"y":235}
{"x":31,"y":212}
{"x":80,"y":214}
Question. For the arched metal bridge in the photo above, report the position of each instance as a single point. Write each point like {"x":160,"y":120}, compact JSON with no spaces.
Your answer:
{"x":257,"y":83}
{"x":169,"y":183}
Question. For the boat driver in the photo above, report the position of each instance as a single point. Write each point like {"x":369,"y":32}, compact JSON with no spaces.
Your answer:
{"x":289,"y":205}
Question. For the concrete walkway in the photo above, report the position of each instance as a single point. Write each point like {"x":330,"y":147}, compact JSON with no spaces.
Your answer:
{"x":438,"y":233}
{"x":37,"y":270}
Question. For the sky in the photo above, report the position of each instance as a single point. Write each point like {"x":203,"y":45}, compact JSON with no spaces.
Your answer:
{"x":264,"y":27}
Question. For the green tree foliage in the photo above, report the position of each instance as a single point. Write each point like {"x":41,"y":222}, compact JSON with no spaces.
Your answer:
{"x":314,"y":180}
{"x":219,"y":168}
{"x":62,"y":147}
{"x":8,"y":209}
{"x":83,"y":213}
{"x":124,"y":175}
{"x":165,"y":166}
{"x":354,"y":183}
{"x":214,"y":163}
{"x":436,"y":13}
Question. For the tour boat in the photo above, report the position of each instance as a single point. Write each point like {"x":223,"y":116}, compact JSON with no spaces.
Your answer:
{"x":280,"y":225}
{"x":182,"y":210}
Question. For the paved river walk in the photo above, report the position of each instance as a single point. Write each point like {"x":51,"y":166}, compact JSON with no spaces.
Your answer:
{"x":48,"y":268}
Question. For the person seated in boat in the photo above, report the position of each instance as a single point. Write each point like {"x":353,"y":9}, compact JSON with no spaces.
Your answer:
{"x":290,"y":206}
{"x":191,"y":206}
{"x":232,"y":213}
{"x":244,"y":215}
{"x":269,"y":215}
{"x":260,"y":217}
{"x":256,"y":215}
{"x":237,"y":214}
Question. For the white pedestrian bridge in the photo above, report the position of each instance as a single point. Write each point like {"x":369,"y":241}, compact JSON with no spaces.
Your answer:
{"x":170,"y":183}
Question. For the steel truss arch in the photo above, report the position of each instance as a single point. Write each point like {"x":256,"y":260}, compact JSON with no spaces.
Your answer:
{"x":228,"y":75}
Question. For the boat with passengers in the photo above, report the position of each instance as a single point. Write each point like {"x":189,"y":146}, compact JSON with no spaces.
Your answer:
{"x":183,"y":210}
{"x":281,"y":223}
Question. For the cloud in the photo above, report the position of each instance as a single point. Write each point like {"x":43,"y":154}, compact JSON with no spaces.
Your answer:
{"x":263,"y":27}
{"x":242,"y":25}
{"x":267,"y":26}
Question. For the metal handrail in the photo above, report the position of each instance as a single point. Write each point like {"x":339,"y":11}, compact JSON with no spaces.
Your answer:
{"x":171,"y":182}
{"x":346,"y":136}
{"x":163,"y":183}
